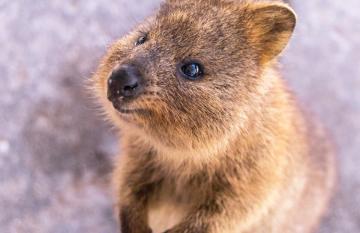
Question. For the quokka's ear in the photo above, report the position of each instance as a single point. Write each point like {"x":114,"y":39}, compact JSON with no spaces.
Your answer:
{"x":271,"y":26}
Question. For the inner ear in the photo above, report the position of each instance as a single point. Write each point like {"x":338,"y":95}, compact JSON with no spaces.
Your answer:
{"x":271,"y":27}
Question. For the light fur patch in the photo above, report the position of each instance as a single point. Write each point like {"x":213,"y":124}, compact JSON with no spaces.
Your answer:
{"x":165,"y":215}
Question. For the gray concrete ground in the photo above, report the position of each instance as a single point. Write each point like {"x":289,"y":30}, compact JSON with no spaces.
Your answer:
{"x":55,"y":152}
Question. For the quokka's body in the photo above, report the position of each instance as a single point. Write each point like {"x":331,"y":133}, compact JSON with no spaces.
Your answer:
{"x":213,"y":142}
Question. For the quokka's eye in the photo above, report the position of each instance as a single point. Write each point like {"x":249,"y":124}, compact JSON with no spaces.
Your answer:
{"x":191,"y":70}
{"x":141,"y":40}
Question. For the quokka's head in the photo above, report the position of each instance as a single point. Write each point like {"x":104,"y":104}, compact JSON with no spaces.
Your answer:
{"x":191,"y":74}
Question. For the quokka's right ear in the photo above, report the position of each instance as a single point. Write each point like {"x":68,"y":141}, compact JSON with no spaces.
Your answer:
{"x":270,"y":28}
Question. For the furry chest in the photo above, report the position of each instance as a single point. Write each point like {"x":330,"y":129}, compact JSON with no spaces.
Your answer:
{"x":165,"y":213}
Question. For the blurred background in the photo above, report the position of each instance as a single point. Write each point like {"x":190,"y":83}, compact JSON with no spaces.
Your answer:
{"x":56,"y":152}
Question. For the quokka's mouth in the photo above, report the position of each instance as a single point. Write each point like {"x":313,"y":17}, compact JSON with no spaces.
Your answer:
{"x":124,"y":108}
{"x":129,"y":111}
{"x":133,"y":111}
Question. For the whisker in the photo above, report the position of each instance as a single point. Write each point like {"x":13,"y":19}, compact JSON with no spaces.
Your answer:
{"x":151,"y":93}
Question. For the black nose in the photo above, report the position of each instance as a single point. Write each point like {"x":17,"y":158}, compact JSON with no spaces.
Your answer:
{"x":125,"y":81}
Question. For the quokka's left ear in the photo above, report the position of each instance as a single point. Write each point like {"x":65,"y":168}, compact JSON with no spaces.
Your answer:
{"x":270,"y":27}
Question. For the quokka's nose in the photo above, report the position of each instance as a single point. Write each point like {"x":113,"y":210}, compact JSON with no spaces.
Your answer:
{"x":125,"y":81}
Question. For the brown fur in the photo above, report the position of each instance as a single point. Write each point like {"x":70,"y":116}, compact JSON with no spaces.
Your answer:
{"x":231,"y":152}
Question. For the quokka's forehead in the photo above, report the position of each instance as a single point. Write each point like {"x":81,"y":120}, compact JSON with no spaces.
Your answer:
{"x":194,"y":9}
{"x":191,"y":5}
{"x":200,"y":14}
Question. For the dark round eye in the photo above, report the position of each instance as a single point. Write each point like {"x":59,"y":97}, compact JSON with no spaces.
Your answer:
{"x":141,"y":40}
{"x":191,"y":70}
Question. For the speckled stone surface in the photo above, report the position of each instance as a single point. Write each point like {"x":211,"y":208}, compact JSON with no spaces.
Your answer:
{"x":55,"y":152}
